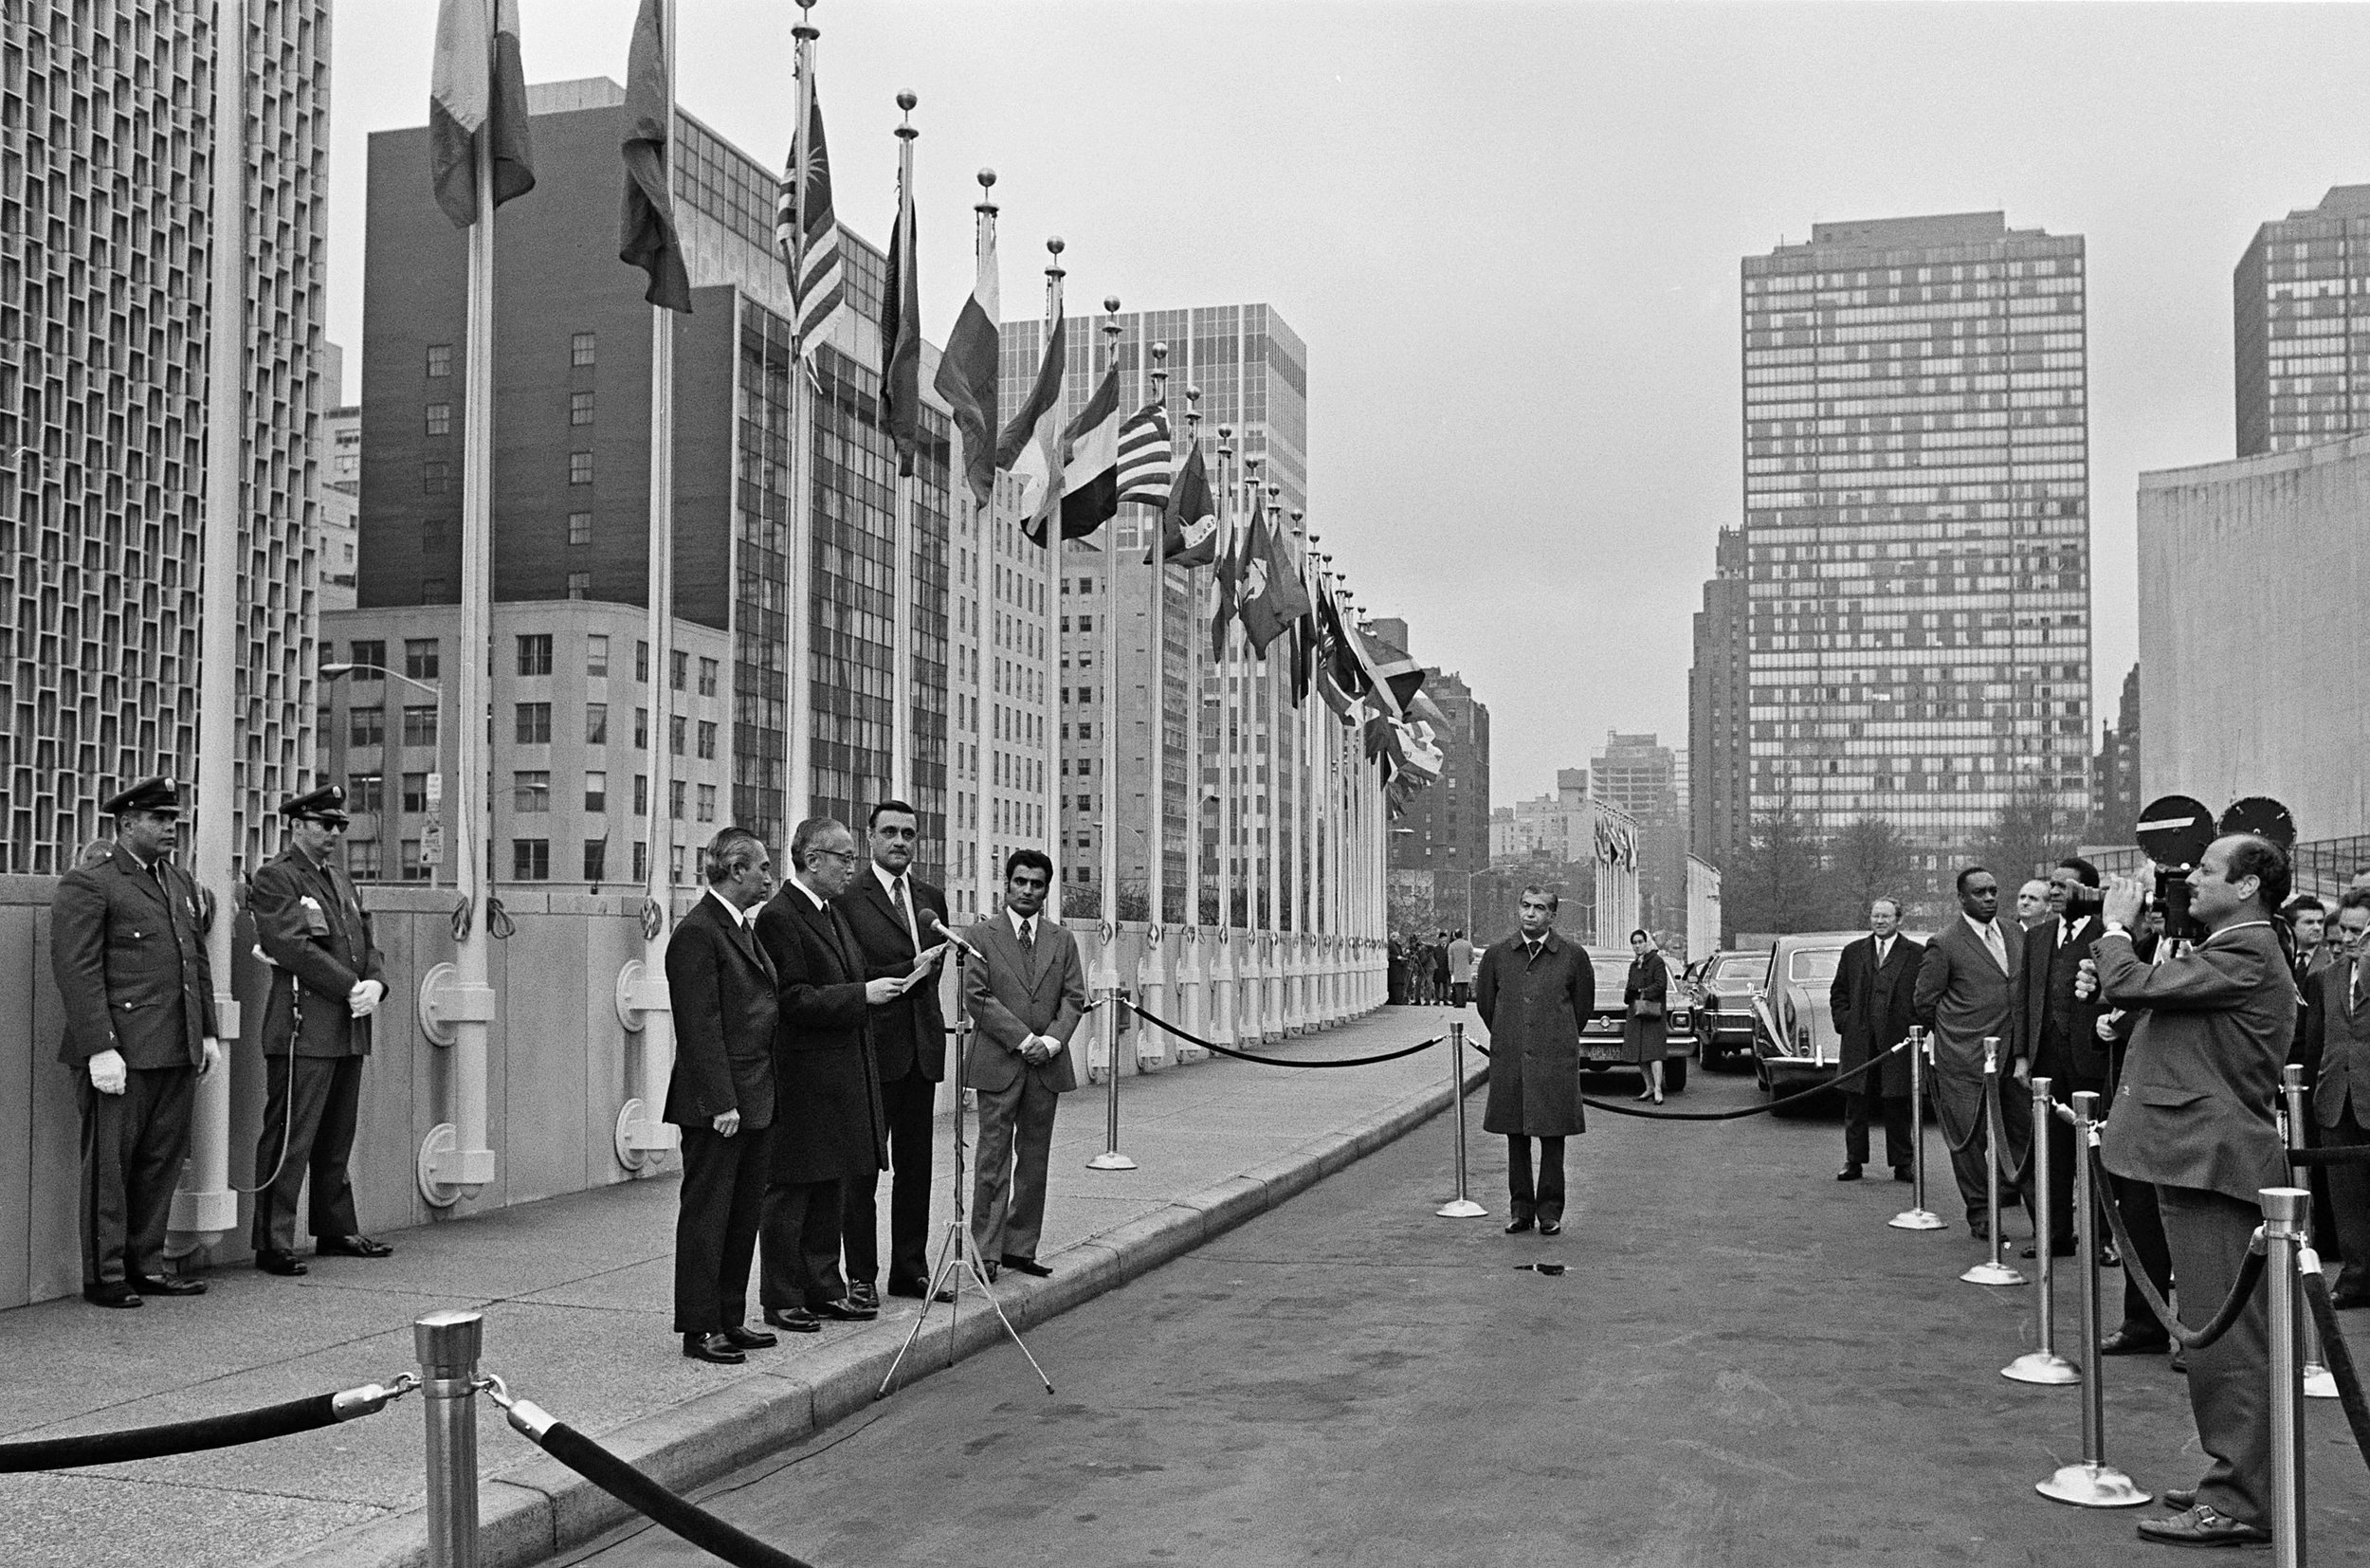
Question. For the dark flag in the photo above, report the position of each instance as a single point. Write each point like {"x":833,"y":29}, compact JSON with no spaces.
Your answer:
{"x":1233,"y":568}
{"x":477,"y":87}
{"x":1271,"y":597}
{"x":900,"y":335}
{"x":1029,"y":447}
{"x":1189,"y":524}
{"x":1091,"y":461}
{"x":646,"y":228}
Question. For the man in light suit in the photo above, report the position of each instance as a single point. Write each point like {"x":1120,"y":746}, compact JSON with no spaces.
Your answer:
{"x":720,"y":1093}
{"x":2193,"y":1114}
{"x":1870,"y":1002}
{"x":1965,"y":986}
{"x":1025,"y":998}
{"x":2056,"y":1031}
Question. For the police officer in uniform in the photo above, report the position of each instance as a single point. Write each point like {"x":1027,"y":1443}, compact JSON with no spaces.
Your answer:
{"x":326,"y":981}
{"x":128,"y":951}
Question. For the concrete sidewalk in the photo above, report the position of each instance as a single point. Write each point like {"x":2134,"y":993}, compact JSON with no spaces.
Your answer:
{"x":577,"y":1294}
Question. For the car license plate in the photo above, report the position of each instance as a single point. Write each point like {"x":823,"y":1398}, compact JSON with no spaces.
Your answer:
{"x":1601,"y":1054}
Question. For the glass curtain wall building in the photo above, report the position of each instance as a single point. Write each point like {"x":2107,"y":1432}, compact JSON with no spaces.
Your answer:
{"x":2300,"y":298}
{"x":1917,"y":526}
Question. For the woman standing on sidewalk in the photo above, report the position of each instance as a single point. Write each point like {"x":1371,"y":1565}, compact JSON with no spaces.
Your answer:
{"x":1644,"y":1035}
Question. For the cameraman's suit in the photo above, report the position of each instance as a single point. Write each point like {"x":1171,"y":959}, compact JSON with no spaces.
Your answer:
{"x":2057,"y":1036}
{"x":1967,"y":991}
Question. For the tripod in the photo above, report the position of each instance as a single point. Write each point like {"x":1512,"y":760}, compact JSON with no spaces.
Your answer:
{"x":957,"y":1267}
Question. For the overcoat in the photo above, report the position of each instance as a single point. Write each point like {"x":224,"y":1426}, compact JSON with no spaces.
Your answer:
{"x":311,"y":926}
{"x":1535,"y":1006}
{"x":722,"y":987}
{"x":1646,"y":1039}
{"x":128,"y":951}
{"x":828,"y":1121}
{"x":1873,"y":1009}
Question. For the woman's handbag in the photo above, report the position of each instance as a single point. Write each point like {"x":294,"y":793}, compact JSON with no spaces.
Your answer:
{"x":1641,"y":1008}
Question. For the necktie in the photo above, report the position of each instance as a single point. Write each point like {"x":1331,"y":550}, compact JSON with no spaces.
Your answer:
{"x":1029,"y":939}
{"x":1884,"y":952}
{"x":2000,"y":949}
{"x":904,"y":911}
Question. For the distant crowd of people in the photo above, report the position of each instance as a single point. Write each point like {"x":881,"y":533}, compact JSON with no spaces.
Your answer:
{"x":1430,"y":971}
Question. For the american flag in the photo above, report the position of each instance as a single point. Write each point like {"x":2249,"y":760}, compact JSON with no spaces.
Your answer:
{"x":807,"y":232}
{"x":1146,"y":459}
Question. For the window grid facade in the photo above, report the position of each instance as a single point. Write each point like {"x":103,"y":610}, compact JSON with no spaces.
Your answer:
{"x":2301,"y":321}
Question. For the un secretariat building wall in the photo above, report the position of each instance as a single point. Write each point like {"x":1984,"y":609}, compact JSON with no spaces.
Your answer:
{"x":2255,"y":672}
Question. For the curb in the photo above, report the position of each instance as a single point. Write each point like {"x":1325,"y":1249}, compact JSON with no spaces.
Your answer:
{"x":541,"y":1509}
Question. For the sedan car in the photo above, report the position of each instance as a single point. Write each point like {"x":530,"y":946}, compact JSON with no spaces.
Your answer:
{"x":1732,"y":982}
{"x":1600,"y":1042}
{"x":1795,"y":1043}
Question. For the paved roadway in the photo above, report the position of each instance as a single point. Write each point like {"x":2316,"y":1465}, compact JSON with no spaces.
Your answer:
{"x":1745,"y":1365}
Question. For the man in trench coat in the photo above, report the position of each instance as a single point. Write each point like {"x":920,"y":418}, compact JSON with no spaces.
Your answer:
{"x":1870,"y":1001}
{"x":1536,"y":992}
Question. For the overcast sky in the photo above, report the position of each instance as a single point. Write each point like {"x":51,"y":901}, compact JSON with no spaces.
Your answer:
{"x":1510,"y":236}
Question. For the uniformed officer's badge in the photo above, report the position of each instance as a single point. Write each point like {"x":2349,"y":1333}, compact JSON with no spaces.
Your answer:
{"x":315,"y":920}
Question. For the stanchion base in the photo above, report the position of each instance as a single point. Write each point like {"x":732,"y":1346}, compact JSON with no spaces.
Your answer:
{"x":1917,"y":1219}
{"x":1110,"y":1160}
{"x":2041,"y":1366}
{"x":2320,"y":1383}
{"x":2092,"y":1487}
{"x":1988,"y":1272}
{"x":1462,"y":1207}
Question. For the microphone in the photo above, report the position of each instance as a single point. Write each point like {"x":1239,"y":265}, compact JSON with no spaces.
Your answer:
{"x":939,"y":926}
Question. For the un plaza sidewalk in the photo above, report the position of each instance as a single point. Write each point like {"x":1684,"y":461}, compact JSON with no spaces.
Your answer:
{"x":577,"y":1297}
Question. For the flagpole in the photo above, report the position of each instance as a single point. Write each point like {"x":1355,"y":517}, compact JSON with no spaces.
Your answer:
{"x":900,"y":571}
{"x":1050,"y":748}
{"x":1276,"y":987}
{"x":1225,"y":1008}
{"x":1192,"y":975}
{"x":1153,"y":971}
{"x":1297,"y":1013}
{"x":798,"y":689}
{"x":1106,"y":975}
{"x":1258,"y":892}
{"x":982,"y":855}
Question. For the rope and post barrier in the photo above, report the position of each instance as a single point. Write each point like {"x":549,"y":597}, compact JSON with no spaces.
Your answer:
{"x":1918,"y":1216}
{"x":2091,"y":1482}
{"x":1995,"y":1269}
{"x":447,"y":1344}
{"x":2317,"y":1384}
{"x":2043,"y":1364}
{"x":2340,"y":1358}
{"x":2250,"y":1275}
{"x":1461,"y":1206}
{"x":260,"y":1425}
{"x":2284,"y":1212}
{"x":1212,"y":1046}
{"x":1110,"y":1159}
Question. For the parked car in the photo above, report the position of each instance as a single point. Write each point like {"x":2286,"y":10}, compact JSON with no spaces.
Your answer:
{"x":1730,"y":982}
{"x":1600,"y":1042}
{"x":1795,"y":1043}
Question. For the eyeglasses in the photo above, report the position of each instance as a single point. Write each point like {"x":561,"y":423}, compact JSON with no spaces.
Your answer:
{"x":846,"y":855}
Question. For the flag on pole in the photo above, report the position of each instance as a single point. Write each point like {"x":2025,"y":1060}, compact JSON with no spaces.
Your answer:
{"x":1146,"y":459}
{"x":967,"y":371}
{"x":806,"y":229}
{"x":901,"y":328}
{"x":1271,"y":597}
{"x":1030,"y":444}
{"x":1091,"y":461}
{"x":647,"y":236}
{"x":1233,"y":568}
{"x":1373,"y":683}
{"x":1189,"y":524}
{"x":1345,"y":672}
{"x":478,"y":85}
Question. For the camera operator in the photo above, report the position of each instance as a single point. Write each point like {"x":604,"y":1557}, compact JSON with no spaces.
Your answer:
{"x":2192,"y":1115}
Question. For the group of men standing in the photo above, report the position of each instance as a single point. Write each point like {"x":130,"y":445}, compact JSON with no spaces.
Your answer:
{"x":810,"y":1045}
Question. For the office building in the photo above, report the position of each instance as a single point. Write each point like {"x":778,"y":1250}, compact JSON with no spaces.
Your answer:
{"x":1719,"y":800}
{"x":2298,"y":375}
{"x":1443,"y":833}
{"x":103,"y":339}
{"x":1639,"y":777}
{"x":336,"y":483}
{"x":1917,"y":526}
{"x":2115,"y":789}
{"x":1002,"y":705}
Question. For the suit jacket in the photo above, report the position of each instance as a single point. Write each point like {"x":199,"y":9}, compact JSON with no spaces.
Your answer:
{"x":2057,"y":1033}
{"x":1873,"y":1008}
{"x":1011,"y":997}
{"x":908,"y":1034}
{"x":128,"y":951}
{"x":2341,"y":1047}
{"x":2305,"y":1052}
{"x":1963,"y":996}
{"x":2194,"y":1104}
{"x":720,"y":984}
{"x":310,"y":925}
{"x":828,"y":1120}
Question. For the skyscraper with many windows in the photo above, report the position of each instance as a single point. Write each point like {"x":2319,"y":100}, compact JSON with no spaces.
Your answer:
{"x":2296,"y":297}
{"x":1917,"y":525}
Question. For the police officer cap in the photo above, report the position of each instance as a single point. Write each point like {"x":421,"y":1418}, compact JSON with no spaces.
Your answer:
{"x":326,"y":804}
{"x":150,"y":794}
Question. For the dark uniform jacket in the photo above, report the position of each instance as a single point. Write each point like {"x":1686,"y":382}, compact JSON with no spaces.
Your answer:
{"x":720,"y":985}
{"x":128,"y":951}
{"x":828,"y":1121}
{"x":1011,"y":997}
{"x":2056,"y":1032}
{"x":908,"y":1034}
{"x":1873,"y":1009}
{"x":1534,"y":1007}
{"x":311,"y":926}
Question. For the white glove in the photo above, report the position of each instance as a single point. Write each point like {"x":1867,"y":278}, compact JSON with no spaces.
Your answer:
{"x":108,"y":1075}
{"x":364,"y":998}
{"x":213,"y":1056}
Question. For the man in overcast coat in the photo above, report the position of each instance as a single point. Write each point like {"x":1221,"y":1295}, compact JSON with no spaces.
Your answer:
{"x":1536,"y":992}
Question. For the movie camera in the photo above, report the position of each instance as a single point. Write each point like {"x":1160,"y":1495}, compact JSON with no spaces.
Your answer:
{"x":2174,"y":832}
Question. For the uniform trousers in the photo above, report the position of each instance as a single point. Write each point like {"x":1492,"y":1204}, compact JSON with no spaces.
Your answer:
{"x":1015,"y":1144}
{"x":1543,"y":1201}
{"x":2208,"y":1233}
{"x":801,"y":1232}
{"x":324,"y":1093}
{"x":716,"y":1226}
{"x":1857,"y":1111}
{"x":132,"y":1146}
{"x":910,"y":1102}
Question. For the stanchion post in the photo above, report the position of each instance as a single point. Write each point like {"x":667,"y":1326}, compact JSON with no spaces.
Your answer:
{"x":2319,"y":1383}
{"x":1110,"y":1159}
{"x":1995,"y":1269}
{"x":447,"y":1344}
{"x":2042,"y":1365}
{"x":1917,"y":1216}
{"x":2284,"y":1212}
{"x":1460,"y":1207}
{"x":2091,"y":1483}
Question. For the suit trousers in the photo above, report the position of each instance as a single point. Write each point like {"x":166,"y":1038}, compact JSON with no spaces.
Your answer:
{"x":2135,"y":1200}
{"x":132,"y":1146}
{"x":909,"y":1103}
{"x":2350,"y":1196}
{"x":1969,"y":1160}
{"x":1008,"y":1191}
{"x":716,"y":1226}
{"x":2062,"y":1154}
{"x":2208,"y":1233}
{"x":1544,"y":1201}
{"x":801,"y":1232}
{"x":1459,"y":993}
{"x":2328,"y":1236}
{"x":1857,"y":1108}
{"x":315,"y":1107}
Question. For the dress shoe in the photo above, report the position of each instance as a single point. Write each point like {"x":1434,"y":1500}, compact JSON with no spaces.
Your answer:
{"x":2109,"y":1258}
{"x":2179,"y":1499}
{"x":2350,"y":1301}
{"x":1516,"y":1226}
{"x":2122,"y":1341}
{"x":712,"y":1347}
{"x":864,"y":1295}
{"x":750,"y":1338}
{"x":2202,"y":1525}
{"x":1030,"y":1266}
{"x":1903,"y":1173}
{"x":1849,"y":1173}
{"x":1551,"y":1227}
{"x":2180,"y":1361}
{"x":159,"y":1284}
{"x":793,"y":1319}
{"x":2056,"y":1250}
{"x":987,"y":1267}
{"x":915,"y":1289}
{"x":111,"y":1293}
{"x":351,"y":1247}
{"x":845,"y":1311}
{"x":272,"y":1261}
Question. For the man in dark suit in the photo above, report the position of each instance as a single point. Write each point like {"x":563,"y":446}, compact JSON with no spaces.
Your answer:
{"x":828,"y":1127}
{"x":2341,"y":1094}
{"x":2193,"y":1114}
{"x":127,"y":947}
{"x":1871,"y":1001}
{"x":892,"y":913}
{"x":2057,"y":1031}
{"x":1027,"y":994}
{"x":2312,"y":923}
{"x":326,"y":982}
{"x":1965,"y":986}
{"x":719,"y":986}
